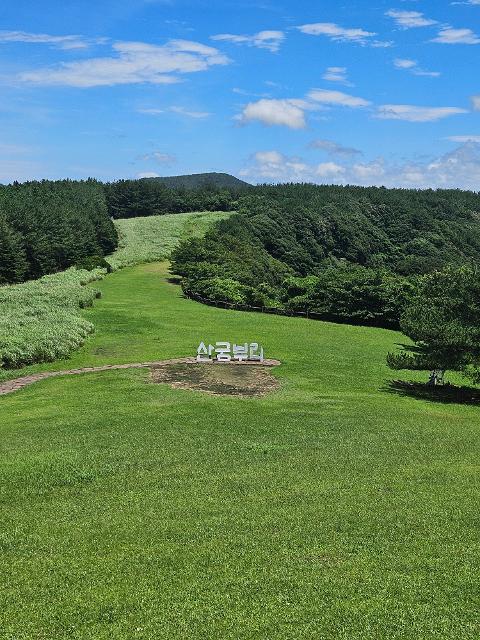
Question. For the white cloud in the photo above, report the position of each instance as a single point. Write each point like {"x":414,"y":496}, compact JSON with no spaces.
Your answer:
{"x":329,"y":170}
{"x":411,"y":113}
{"x":409,"y":19}
{"x":274,"y":166}
{"x":135,"y":62}
{"x":336,"y":74}
{"x":161,"y":158}
{"x":476,"y":103}
{"x":324,"y":96}
{"x":448,"y":35}
{"x":148,"y":174}
{"x":404,"y":63}
{"x":288,"y":113}
{"x":333,"y":148}
{"x":412,"y":66}
{"x":61,"y":42}
{"x":270,"y":40}
{"x":457,"y":169}
{"x":336,"y":32}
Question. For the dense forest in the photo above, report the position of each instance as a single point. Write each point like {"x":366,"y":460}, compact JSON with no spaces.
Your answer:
{"x":48,"y":226}
{"x":151,"y":197}
{"x":348,"y":254}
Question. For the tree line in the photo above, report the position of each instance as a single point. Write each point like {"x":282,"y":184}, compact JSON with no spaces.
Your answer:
{"x":49,"y":226}
{"x":152,"y":197}
{"x":349,"y":254}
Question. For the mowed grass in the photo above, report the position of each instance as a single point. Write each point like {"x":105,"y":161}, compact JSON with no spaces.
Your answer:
{"x":330,"y":509}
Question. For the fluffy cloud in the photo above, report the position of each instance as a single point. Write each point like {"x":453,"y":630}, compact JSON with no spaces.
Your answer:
{"x":274,"y":166}
{"x":270,"y":40}
{"x":288,"y":113}
{"x":448,"y":35}
{"x":134,"y":62}
{"x":412,"y":66}
{"x":409,"y":19}
{"x":411,"y":113}
{"x":476,"y":103}
{"x":60,"y":42}
{"x":333,"y":148}
{"x":329,"y":170}
{"x":291,"y":112}
{"x":459,"y":168}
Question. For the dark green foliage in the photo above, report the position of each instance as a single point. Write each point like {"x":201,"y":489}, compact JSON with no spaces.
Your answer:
{"x":13,"y":261}
{"x":200,"y":180}
{"x":350,"y":293}
{"x":358,"y":248}
{"x":407,"y":231}
{"x":48,"y":226}
{"x":443,"y":320}
{"x":90,"y":263}
{"x":154,"y":196}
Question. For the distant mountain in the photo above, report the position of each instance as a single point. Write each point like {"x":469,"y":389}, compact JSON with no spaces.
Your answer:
{"x":201,"y":179}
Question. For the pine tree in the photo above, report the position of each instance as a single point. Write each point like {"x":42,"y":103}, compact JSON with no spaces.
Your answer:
{"x":13,"y":262}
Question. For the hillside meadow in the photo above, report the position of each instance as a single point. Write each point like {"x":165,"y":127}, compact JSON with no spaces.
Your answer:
{"x":40,"y":319}
{"x":332,"y":508}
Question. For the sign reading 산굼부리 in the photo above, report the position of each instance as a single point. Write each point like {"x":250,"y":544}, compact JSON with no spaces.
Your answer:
{"x":226,"y":352}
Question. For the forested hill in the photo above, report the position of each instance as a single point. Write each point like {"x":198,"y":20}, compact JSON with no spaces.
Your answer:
{"x":48,"y":226}
{"x":196,"y":180}
{"x":347,"y":253}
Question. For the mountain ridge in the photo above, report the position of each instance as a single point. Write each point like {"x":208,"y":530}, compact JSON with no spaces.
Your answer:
{"x":195,"y":180}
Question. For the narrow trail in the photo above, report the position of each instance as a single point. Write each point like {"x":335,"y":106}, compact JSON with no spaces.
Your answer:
{"x":10,"y":386}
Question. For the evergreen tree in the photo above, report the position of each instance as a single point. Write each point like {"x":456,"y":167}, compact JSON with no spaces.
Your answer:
{"x":13,"y":261}
{"x":443,"y":320}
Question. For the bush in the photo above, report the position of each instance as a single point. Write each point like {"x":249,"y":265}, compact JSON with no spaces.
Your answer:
{"x":93,"y":262}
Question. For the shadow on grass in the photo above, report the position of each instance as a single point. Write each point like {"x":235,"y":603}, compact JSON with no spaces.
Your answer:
{"x":447,"y":393}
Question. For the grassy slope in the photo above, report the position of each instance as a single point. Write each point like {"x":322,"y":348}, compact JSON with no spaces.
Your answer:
{"x":154,"y":237}
{"x":41,"y":319}
{"x":329,"y":510}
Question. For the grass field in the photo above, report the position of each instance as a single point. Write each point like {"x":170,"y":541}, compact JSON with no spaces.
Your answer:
{"x":330,"y":509}
{"x":40,"y":320}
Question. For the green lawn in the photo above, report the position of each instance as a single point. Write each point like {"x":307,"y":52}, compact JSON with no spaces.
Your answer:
{"x":331,"y":509}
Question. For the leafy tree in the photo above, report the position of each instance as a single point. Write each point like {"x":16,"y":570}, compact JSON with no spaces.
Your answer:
{"x":443,"y":320}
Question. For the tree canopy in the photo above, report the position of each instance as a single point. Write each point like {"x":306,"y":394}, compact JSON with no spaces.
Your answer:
{"x":349,"y":254}
{"x":48,"y":226}
{"x":443,"y":320}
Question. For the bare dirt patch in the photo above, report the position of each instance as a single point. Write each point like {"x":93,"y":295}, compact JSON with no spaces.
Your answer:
{"x":217,"y":379}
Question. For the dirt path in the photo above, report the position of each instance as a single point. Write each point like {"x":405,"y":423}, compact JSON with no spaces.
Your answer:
{"x":19,"y":383}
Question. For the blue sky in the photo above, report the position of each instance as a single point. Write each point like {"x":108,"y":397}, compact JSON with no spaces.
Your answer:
{"x":367,"y":92}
